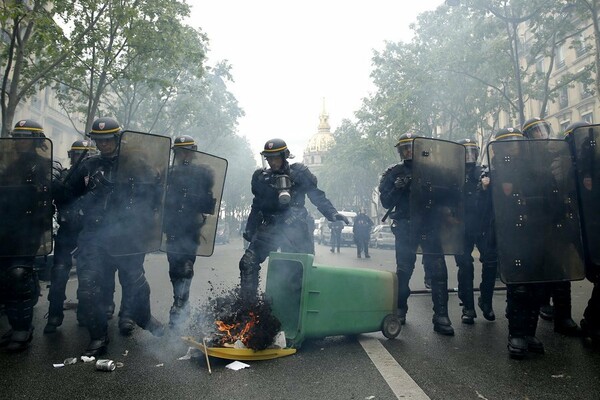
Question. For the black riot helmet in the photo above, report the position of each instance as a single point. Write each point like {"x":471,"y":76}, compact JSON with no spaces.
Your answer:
{"x":184,"y":142}
{"x":405,"y":145}
{"x":573,"y":126}
{"x":536,"y":128}
{"x":508,"y":134}
{"x":79,"y":147}
{"x":472,"y":150}
{"x":276,"y":148}
{"x":105,"y":128}
{"x":28,"y":128}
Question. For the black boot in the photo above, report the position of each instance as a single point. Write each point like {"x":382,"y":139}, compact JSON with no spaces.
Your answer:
{"x":180,"y":312}
{"x":126,"y":326}
{"x":55,"y":318}
{"x":155,"y":327}
{"x":5,"y":338}
{"x":486,"y":309}
{"x":439,"y":295}
{"x":486,"y":288}
{"x":517,"y":347}
{"x":465,"y":293}
{"x":97,"y":347}
{"x":19,"y":340}
{"x":563,"y":323}
{"x":249,"y":286}
{"x":403,"y":293}
{"x":468,"y":316}
{"x":590,"y":334}
{"x":519,"y":312}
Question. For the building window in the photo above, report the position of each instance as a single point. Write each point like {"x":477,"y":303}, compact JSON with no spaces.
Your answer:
{"x":564,"y":124}
{"x":585,"y":90}
{"x":563,"y":97}
{"x":539,"y":66}
{"x":580,"y":46}
{"x":589,"y":117}
{"x":560,"y":57}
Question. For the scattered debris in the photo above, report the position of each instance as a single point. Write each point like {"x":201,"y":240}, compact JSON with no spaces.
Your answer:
{"x":237,"y":365}
{"x":87,"y":359}
{"x":558,"y":376}
{"x":70,"y":361}
{"x":160,"y":365}
{"x":126,"y":352}
{"x":369,"y":397}
{"x":188,"y":355}
{"x":58,"y":365}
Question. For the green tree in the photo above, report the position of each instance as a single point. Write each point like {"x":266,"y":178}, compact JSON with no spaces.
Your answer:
{"x":34,"y":47}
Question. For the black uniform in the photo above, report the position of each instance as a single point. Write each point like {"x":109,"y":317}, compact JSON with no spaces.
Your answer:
{"x":99,"y":235}
{"x":19,"y":287}
{"x":65,"y":243}
{"x":394,"y":192}
{"x":487,"y":248}
{"x":336,"y":228}
{"x":362,"y":234}
{"x":272,"y":225}
{"x":189,"y":199}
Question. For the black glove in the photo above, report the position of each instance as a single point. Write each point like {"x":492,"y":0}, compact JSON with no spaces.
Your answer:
{"x":248,"y":236}
{"x":340,"y":217}
{"x":402,"y":182}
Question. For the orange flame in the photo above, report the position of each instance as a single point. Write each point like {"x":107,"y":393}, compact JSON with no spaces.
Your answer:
{"x":229,"y":330}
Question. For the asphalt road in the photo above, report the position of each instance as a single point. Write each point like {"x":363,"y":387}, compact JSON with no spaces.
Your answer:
{"x":419,"y":364}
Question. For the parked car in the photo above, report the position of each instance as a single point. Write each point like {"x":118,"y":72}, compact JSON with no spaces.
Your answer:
{"x":222,"y":236}
{"x":347,"y":235}
{"x":382,"y":236}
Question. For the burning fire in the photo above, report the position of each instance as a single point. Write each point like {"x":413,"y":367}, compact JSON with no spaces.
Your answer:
{"x":232,"y":332}
{"x":227,"y":318}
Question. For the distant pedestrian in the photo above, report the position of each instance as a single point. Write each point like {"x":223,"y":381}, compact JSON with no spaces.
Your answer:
{"x":362,"y":233}
{"x":336,"y":235}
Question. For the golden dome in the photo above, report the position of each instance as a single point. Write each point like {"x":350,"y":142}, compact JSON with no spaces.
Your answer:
{"x":322,"y":140}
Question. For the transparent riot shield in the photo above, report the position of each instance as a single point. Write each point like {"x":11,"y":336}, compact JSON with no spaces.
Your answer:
{"x":194,"y":191}
{"x":586,"y":149}
{"x":536,"y":211}
{"x":137,"y":201}
{"x":25,"y":199}
{"x":437,"y":197}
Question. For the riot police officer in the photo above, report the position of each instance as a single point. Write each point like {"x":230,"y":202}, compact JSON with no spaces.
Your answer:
{"x":394,"y":192}
{"x":560,"y":292}
{"x":590,"y":324}
{"x":473,"y":236}
{"x":27,"y":221}
{"x":100,"y":198}
{"x":523,"y":299}
{"x":278,"y":216}
{"x":189,"y":199}
{"x":65,"y":240}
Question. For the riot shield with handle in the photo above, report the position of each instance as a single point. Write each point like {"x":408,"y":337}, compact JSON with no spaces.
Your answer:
{"x":194,"y":191}
{"x":437,"y":197}
{"x":137,"y":200}
{"x":536,"y":211}
{"x":586,"y":150}
{"x":25,"y":199}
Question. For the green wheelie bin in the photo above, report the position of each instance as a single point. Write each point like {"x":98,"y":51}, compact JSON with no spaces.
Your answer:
{"x":314,"y":301}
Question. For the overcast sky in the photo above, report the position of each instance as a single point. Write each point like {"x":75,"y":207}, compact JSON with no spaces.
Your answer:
{"x":288,"y":55}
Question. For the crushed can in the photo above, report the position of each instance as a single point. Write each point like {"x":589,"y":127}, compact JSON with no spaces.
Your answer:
{"x":105,"y":365}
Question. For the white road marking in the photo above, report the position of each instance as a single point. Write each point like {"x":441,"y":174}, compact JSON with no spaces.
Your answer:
{"x":403,"y":386}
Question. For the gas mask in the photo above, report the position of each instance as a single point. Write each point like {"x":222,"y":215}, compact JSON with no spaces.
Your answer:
{"x":282,"y":183}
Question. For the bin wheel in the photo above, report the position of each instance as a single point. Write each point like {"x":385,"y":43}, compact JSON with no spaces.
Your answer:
{"x":391,"y":326}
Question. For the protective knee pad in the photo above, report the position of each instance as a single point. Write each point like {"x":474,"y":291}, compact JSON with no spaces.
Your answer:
{"x":21,"y":283}
{"x":182,"y":269}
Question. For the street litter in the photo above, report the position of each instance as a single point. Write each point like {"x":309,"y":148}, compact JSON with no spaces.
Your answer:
{"x":160,"y":365}
{"x":70,"y":361}
{"x":188,"y":355}
{"x":126,"y":352}
{"x":236,"y":366}
{"x":87,"y":359}
{"x":58,"y":365}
